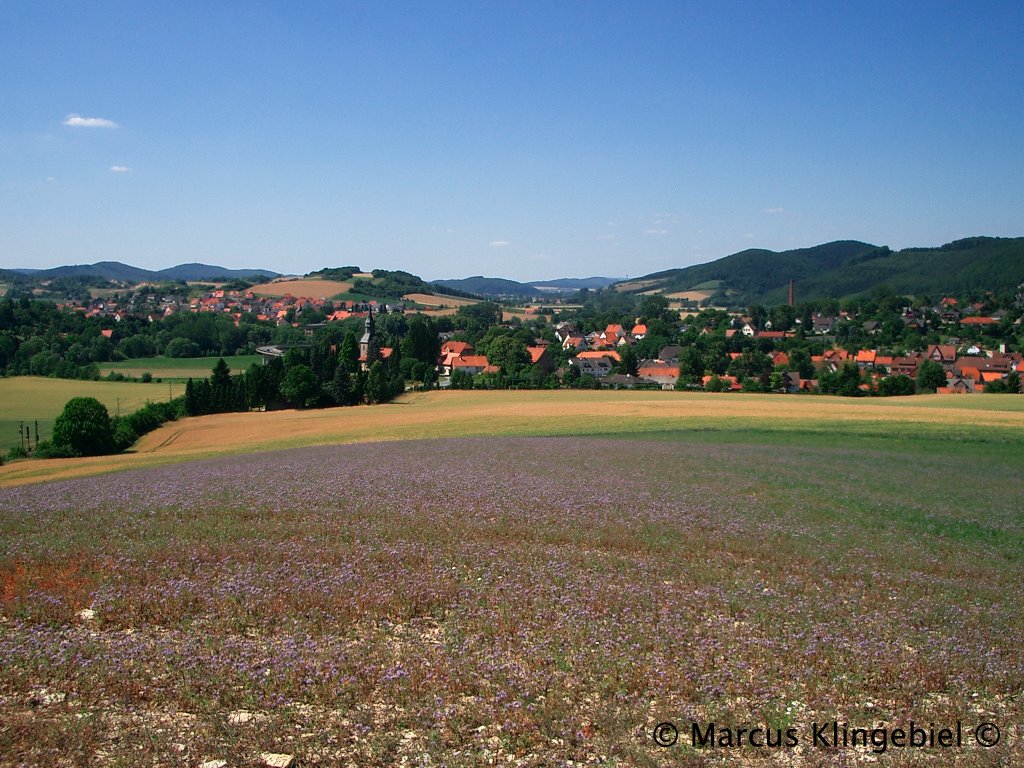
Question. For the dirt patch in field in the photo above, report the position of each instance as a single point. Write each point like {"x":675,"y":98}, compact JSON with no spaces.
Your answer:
{"x":64,"y":579}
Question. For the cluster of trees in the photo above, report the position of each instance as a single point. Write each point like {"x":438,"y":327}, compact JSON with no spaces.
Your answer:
{"x":38,"y":339}
{"x":320,"y":375}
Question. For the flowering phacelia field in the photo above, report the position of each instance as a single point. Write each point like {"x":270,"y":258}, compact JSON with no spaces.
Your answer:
{"x":532,"y":601}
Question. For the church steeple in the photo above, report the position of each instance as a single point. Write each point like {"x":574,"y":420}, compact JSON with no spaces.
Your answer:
{"x":369,"y":347}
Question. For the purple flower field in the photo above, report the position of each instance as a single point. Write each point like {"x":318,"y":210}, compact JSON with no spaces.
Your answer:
{"x":529,"y":601}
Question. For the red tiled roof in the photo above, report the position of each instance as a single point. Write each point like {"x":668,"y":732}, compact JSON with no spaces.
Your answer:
{"x":536,"y":353}
{"x":593,"y":353}
{"x":470,"y":361}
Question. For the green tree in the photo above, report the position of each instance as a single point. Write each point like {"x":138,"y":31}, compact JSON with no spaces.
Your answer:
{"x":715,"y":384}
{"x":509,"y":354}
{"x":930,"y":376}
{"x":181,"y":347}
{"x":656,"y":307}
{"x":893,"y":386}
{"x":421,"y":342}
{"x":348,"y":355}
{"x":378,"y":389}
{"x":1013,"y":383}
{"x":84,"y":427}
{"x":691,"y":366}
{"x":460,"y":380}
{"x":191,"y":399}
{"x":299,"y":386}
{"x":801,"y":362}
{"x":849,"y":381}
{"x":221,"y":388}
{"x":341,"y":388}
{"x":627,"y":361}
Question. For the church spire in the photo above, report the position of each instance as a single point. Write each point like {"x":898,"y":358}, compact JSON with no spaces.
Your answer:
{"x":369,"y":346}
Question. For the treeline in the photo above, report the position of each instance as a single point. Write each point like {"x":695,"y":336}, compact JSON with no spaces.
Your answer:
{"x":322,"y":374}
{"x":38,"y":339}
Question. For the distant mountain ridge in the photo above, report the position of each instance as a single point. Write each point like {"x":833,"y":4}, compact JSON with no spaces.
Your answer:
{"x":839,"y":269}
{"x":499,"y":286}
{"x":847,"y":268}
{"x":115,"y":270}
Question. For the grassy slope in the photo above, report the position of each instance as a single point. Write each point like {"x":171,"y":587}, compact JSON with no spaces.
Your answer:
{"x":939,"y":424}
{"x":28,"y":398}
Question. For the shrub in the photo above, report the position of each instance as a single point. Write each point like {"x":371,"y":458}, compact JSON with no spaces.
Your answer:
{"x":17,"y":452}
{"x":124,"y":435}
{"x":47,"y":450}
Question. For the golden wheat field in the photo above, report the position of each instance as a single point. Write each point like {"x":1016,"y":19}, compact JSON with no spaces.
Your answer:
{"x":566,"y":412}
{"x":311,"y":289}
{"x":431,"y":300}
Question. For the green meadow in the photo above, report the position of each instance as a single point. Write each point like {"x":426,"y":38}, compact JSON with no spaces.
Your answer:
{"x":177,"y":368}
{"x":27,"y":399}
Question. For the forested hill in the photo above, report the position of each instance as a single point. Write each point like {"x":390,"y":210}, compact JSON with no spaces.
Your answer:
{"x":847,"y":268}
{"x":499,"y":286}
{"x":115,"y":270}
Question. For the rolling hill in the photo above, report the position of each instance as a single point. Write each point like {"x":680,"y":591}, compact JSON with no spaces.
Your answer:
{"x":499,"y":287}
{"x":115,"y":270}
{"x":848,"y":268}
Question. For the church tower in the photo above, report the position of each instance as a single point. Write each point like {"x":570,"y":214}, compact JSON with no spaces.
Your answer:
{"x":369,"y":347}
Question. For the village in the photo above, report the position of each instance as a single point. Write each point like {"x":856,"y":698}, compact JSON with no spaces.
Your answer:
{"x":972,"y":358}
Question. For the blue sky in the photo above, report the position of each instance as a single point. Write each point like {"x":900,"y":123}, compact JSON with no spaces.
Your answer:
{"x":517,"y":139}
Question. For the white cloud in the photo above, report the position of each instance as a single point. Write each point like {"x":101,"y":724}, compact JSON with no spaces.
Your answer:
{"x":499,"y":243}
{"x":655,"y":231}
{"x":119,"y":168}
{"x":774,"y":210}
{"x":77,"y":121}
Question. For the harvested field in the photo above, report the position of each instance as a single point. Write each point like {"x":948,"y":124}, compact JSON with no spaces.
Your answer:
{"x":434,"y":300}
{"x":636,"y":285}
{"x":302,"y":288}
{"x":690,"y":295}
{"x":498,"y":601}
{"x":986,"y":418}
